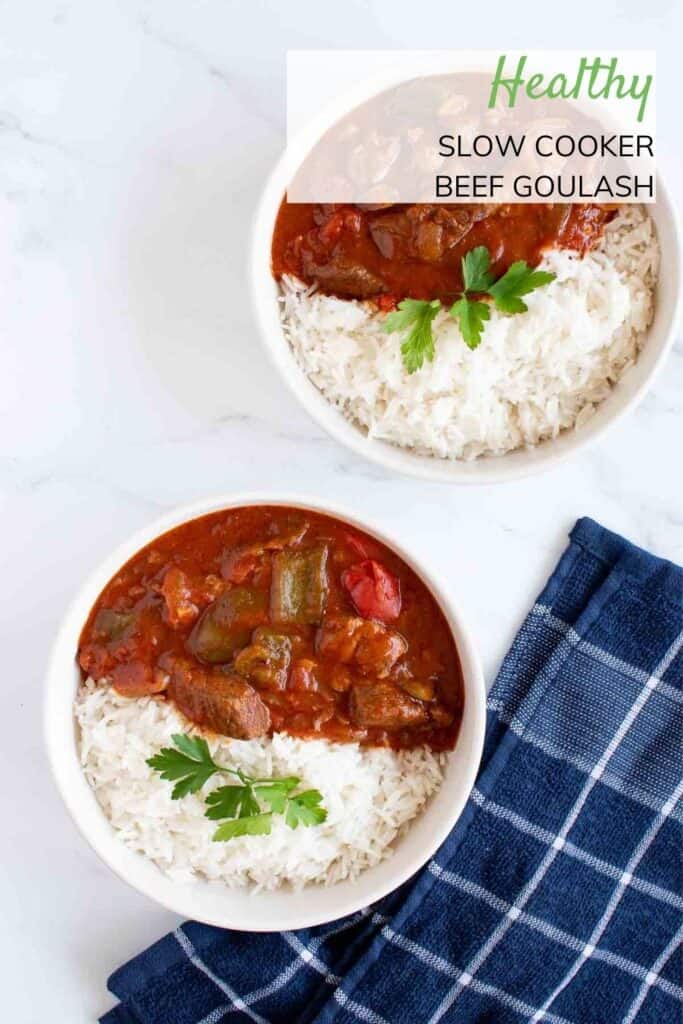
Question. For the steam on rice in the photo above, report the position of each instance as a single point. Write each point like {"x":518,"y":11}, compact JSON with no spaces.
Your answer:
{"x":533,"y":376}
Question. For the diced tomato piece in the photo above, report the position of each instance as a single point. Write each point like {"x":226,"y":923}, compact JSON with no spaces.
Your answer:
{"x":302,"y":676}
{"x":375,"y":592}
{"x":331,"y":230}
{"x":386,"y":303}
{"x":176,"y":590}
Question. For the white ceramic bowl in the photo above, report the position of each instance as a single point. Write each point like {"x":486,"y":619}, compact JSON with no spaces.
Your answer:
{"x":209,"y":901}
{"x":489,"y":469}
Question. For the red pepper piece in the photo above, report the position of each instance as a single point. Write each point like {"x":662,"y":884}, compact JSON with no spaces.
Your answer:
{"x":374,"y":591}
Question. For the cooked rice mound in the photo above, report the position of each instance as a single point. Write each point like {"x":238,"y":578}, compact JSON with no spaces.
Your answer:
{"x":370,"y":796}
{"x":533,"y":376}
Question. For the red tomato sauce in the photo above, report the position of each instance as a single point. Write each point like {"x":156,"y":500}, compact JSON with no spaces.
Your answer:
{"x":269,"y":618}
{"x":414,"y":251}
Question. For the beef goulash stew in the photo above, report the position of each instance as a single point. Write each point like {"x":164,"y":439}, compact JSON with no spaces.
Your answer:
{"x":390,"y":252}
{"x":268,"y":619}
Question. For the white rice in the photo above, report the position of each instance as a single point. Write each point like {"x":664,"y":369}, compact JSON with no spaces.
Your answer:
{"x":534,"y":374}
{"x":370,"y":796}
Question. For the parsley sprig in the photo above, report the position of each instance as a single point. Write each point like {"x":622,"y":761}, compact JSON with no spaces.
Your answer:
{"x":419,"y":344}
{"x":239,"y":806}
{"x":191,"y":764}
{"x":416,"y":315}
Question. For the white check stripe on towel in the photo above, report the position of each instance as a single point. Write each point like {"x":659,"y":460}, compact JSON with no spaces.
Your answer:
{"x":614,"y":781}
{"x":223,"y":986}
{"x":543,"y":835}
{"x":307,"y":956}
{"x":304,"y":955}
{"x":599,"y":930}
{"x":630,"y":671}
{"x":550,"y":931}
{"x":653,"y":976}
{"x":530,"y":888}
{"x":357,"y":1009}
{"x":437,"y":962}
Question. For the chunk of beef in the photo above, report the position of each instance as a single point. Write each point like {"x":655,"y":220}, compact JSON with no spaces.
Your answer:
{"x":341,"y":276}
{"x":423,"y":231}
{"x":369,"y":646}
{"x":222,"y":702}
{"x":583,"y":225}
{"x":383,"y":706}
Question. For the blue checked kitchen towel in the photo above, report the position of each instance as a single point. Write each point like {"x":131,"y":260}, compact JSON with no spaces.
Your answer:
{"x":558,"y":895}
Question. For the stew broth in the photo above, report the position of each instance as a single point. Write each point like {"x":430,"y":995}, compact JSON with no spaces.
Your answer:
{"x":268,"y":618}
{"x":414,"y":251}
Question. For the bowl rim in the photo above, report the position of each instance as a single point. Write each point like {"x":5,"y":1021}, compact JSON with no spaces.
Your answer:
{"x":59,"y":735}
{"x":513,"y":465}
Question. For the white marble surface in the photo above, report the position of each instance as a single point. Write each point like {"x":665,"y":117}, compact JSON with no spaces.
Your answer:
{"x":134,"y":137}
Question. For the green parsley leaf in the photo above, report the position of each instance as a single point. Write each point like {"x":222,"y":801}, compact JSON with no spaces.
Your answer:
{"x":417,"y":315}
{"x":275,"y":793}
{"x":191,"y":764}
{"x":193,"y":746}
{"x":476,"y":270}
{"x":304,"y":809}
{"x":231,"y":802}
{"x":257,"y":825}
{"x":470,"y":315}
{"x":518,"y":280}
